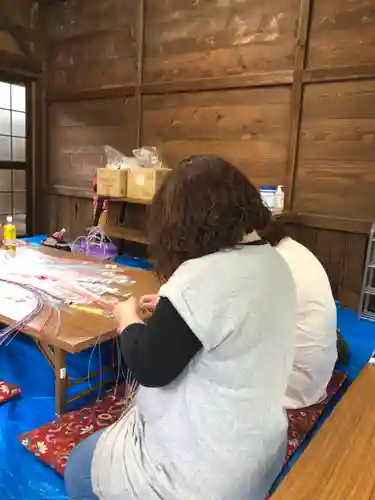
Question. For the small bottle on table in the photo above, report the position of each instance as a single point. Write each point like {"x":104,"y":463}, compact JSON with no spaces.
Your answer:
{"x":10,"y":234}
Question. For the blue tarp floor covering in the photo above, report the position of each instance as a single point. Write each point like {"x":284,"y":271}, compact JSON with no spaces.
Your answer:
{"x":22,"y":476}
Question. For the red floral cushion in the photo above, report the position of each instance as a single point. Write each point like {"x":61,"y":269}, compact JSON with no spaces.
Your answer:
{"x":302,"y":421}
{"x":8,"y":391}
{"x":53,"y":442}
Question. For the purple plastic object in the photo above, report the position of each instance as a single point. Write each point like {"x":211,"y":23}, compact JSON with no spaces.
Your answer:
{"x":102,"y":251}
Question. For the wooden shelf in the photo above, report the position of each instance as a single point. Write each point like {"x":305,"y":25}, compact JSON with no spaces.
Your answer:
{"x":127,"y":234}
{"x":89,"y":193}
{"x":136,"y":201}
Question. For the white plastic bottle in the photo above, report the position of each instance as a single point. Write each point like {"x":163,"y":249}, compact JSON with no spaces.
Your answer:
{"x":268,"y":196}
{"x":279,"y":199}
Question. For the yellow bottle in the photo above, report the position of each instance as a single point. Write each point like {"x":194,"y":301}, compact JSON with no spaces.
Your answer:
{"x":10,"y":234}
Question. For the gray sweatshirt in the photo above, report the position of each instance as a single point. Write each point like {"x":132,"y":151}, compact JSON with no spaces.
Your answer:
{"x":219,"y":431}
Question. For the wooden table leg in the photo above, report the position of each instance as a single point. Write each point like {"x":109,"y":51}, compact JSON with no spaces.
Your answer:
{"x":60,"y":379}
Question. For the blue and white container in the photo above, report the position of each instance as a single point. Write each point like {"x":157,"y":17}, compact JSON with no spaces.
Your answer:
{"x":268,"y":194}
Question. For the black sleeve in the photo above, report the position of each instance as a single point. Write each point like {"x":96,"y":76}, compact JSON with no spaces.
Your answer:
{"x":157,"y":352}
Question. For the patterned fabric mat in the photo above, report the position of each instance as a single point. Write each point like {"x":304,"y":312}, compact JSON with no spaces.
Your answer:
{"x":8,"y":391}
{"x":53,"y":442}
{"x":303,"y":421}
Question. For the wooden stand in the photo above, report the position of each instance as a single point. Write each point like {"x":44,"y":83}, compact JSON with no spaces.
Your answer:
{"x":127,"y":220}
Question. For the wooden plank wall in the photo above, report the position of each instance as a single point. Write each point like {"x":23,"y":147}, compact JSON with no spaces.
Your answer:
{"x":284,"y":88}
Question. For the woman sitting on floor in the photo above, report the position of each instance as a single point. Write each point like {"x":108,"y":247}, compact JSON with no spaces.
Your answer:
{"x":316,"y":341}
{"x":213,"y":360}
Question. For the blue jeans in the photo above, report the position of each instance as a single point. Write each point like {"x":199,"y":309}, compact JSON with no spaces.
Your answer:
{"x":78,"y":470}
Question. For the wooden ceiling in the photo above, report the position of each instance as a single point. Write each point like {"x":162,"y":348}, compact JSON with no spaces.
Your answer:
{"x":20,"y":46}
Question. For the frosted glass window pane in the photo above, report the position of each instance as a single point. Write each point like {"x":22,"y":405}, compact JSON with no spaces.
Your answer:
{"x":19,"y":180}
{"x":4,"y":122}
{"x":4,"y":148}
{"x":18,"y":97}
{"x":18,"y":149}
{"x":19,"y":203}
{"x":4,"y":95}
{"x":5,"y":204}
{"x":18,"y":124}
{"x":5,"y":180}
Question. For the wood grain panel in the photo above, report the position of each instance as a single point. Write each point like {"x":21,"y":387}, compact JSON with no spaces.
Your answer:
{"x":335,"y":173}
{"x":97,"y":50}
{"x":342,"y":255}
{"x":93,"y":48}
{"x":21,"y":12}
{"x":210,"y":38}
{"x":342,"y":33}
{"x":8,"y":44}
{"x":248,"y":127}
{"x":354,"y":258}
{"x":75,"y":215}
{"x":78,"y":132}
{"x":80,"y":17}
{"x":197,"y":54}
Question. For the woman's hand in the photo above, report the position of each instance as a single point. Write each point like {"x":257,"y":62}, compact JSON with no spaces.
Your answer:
{"x":149,"y":302}
{"x":126,"y":313}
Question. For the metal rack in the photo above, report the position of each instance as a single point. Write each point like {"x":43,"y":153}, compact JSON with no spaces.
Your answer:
{"x":368,"y":286}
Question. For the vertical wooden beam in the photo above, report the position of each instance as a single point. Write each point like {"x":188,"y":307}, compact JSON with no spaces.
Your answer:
{"x":305,"y":16}
{"x":41,"y":204}
{"x":31,"y":146}
{"x":38,"y":117}
{"x":44,"y":157}
{"x":140,"y":63}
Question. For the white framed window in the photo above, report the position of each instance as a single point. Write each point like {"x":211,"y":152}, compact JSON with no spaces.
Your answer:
{"x":13,"y":154}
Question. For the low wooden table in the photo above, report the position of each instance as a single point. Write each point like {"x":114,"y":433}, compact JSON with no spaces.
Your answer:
{"x":79,"y":331}
{"x":339,"y":462}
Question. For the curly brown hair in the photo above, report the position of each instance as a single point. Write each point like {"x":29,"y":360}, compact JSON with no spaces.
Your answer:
{"x":204,"y":205}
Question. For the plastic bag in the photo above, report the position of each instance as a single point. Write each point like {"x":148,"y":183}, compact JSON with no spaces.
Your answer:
{"x":117,"y":160}
{"x":149,"y":156}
